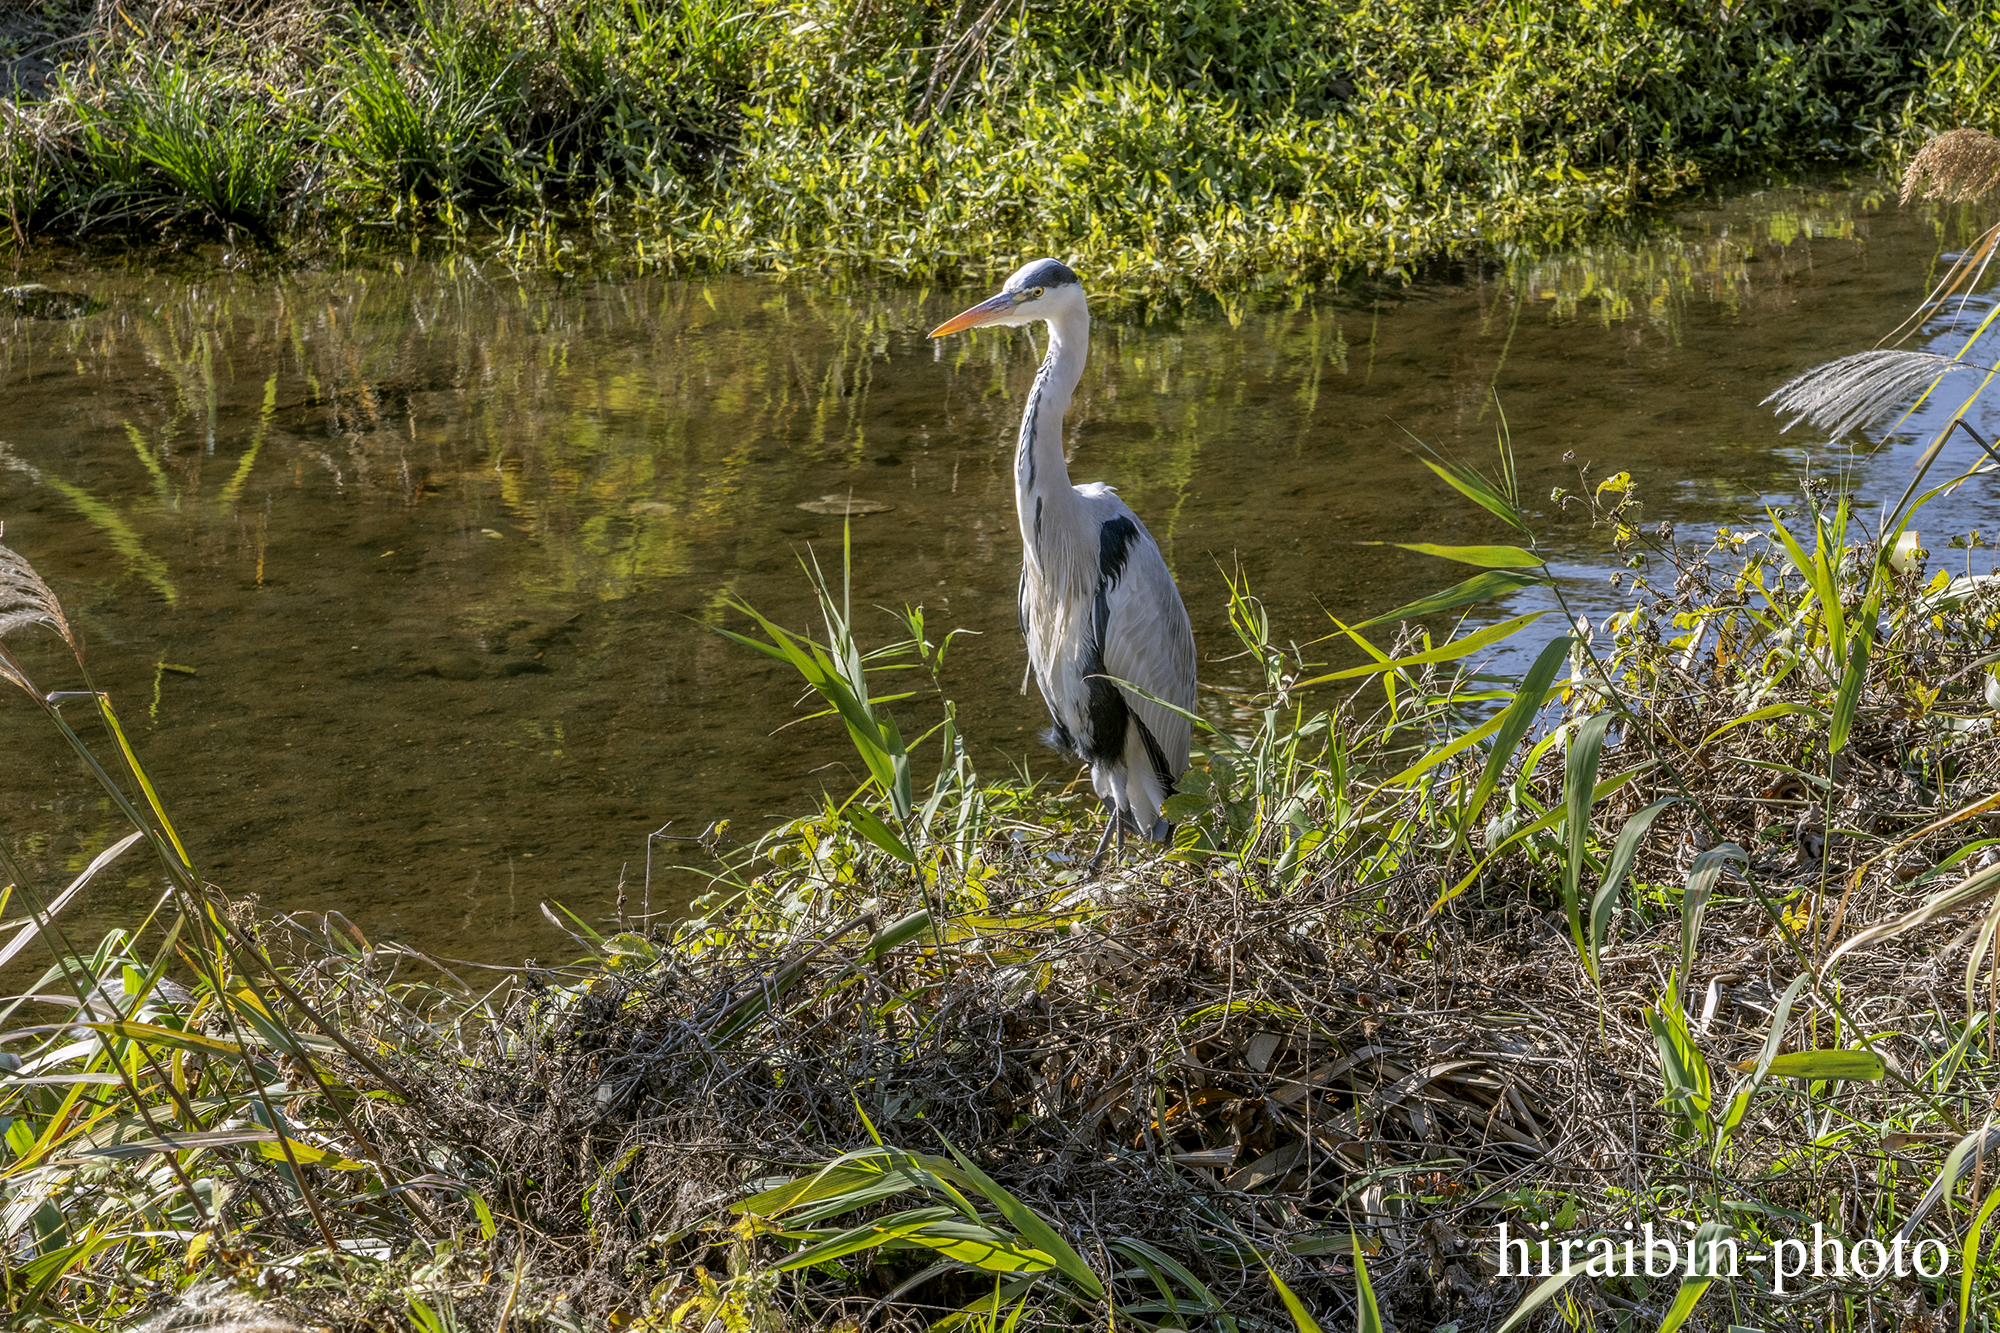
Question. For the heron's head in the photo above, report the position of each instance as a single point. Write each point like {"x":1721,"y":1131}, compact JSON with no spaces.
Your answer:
{"x":1039,"y":289}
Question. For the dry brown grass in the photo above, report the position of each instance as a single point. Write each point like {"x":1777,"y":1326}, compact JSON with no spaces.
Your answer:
{"x":1960,"y":165}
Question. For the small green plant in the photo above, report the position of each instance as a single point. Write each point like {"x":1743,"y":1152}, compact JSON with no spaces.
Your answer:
{"x":173,"y":139}
{"x":432,"y":120}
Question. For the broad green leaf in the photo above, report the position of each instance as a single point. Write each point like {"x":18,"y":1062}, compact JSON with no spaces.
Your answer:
{"x":1702,"y":875}
{"x":1480,"y":491}
{"x":1586,"y":748}
{"x":1031,"y":1226}
{"x":870,"y":826}
{"x":938,"y":1228}
{"x":1820,"y":579}
{"x":162,"y":1036}
{"x":827,"y":1183}
{"x":306,"y":1155}
{"x":1447,"y":652}
{"x":886,"y":1186}
{"x":1605,"y":900}
{"x":896,"y":934}
{"x":1484,"y":557}
{"x":1864,"y":1065}
{"x":1692,"y":1289}
{"x":1683,"y":1068}
{"x":1514,"y":724}
{"x":1855,"y":677}
{"x":987,"y":1248}
{"x":1479,"y":588}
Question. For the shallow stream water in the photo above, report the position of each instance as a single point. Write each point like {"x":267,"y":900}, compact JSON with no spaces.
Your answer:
{"x":402,"y":574}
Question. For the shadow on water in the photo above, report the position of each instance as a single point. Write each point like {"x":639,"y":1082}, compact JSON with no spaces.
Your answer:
{"x":400,"y":571}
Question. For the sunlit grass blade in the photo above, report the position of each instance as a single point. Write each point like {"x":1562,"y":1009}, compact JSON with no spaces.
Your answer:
{"x":1760,"y":1068}
{"x":1586,"y":748}
{"x":1029,"y":1223}
{"x":1368,"y":1318}
{"x":1449,"y":651}
{"x":1764,"y":714}
{"x":1479,"y":490}
{"x":1683,"y":1069}
{"x":1483,"y":557}
{"x":1821,"y":578}
{"x":1865,"y":1066}
{"x":1605,"y":901}
{"x":1514,"y":723}
{"x":1302,"y":1319}
{"x":1544,"y":1292}
{"x":872,"y":828}
{"x":1701,"y":879}
{"x":1968,"y":1254}
{"x":1855,"y":677}
{"x":1479,"y":588}
{"x":1702,"y":1264}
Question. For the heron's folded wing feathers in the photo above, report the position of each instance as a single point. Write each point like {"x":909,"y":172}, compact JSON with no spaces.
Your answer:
{"x":1148,"y":643}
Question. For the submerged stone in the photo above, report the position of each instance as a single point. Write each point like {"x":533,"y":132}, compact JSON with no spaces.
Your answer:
{"x":31,"y":300}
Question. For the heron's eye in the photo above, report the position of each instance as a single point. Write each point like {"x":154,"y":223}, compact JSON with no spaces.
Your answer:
{"x":1036,"y":294}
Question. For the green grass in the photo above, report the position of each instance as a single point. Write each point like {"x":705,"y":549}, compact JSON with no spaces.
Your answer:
{"x":166,"y":141}
{"x":1168,"y":148}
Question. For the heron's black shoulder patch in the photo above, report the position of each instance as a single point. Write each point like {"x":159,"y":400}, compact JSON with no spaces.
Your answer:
{"x":1115,"y":541}
{"x":1044,"y":273}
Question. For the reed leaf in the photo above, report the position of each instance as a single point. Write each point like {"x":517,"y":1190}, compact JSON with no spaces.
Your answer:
{"x":1586,"y":748}
{"x":1605,"y":901}
{"x":1701,"y":879}
{"x":1479,"y":588}
{"x":1513,"y":724}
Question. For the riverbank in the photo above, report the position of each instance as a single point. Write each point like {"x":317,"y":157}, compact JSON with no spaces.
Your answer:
{"x":1173,"y":150}
{"x":1428,"y":957}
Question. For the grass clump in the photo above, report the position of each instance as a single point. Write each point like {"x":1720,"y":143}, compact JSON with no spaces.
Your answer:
{"x":432,"y":135}
{"x":1172,"y":147}
{"x":168,"y":141}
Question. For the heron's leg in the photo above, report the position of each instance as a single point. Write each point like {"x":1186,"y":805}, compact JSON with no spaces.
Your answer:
{"x":1097,"y":858}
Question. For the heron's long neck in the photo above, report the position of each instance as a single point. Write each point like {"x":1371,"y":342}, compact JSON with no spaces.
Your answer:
{"x":1042,"y":489}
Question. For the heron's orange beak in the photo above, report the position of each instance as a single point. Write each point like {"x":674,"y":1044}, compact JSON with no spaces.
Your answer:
{"x":982,"y":313}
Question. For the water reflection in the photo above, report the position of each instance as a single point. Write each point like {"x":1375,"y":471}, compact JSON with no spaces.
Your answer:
{"x":403,"y":569}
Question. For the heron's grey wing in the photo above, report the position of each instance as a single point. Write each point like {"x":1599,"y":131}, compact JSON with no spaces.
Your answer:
{"x":1148,"y":642}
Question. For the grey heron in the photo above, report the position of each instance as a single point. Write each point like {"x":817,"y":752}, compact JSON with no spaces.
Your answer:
{"x":1097,"y":602}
